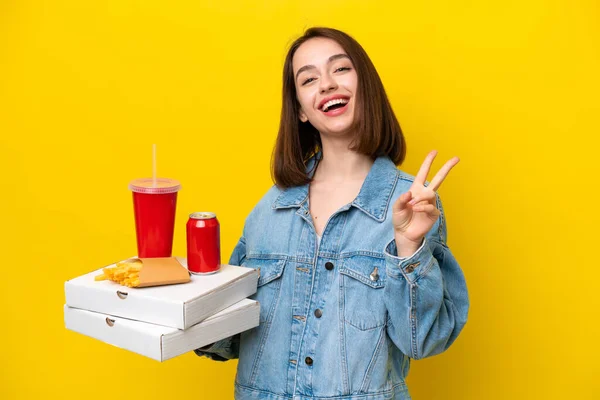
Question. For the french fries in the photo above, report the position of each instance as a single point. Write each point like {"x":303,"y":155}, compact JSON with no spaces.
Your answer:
{"x":126,"y":273}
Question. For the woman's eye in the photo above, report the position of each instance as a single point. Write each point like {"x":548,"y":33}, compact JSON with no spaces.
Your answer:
{"x":342,"y":69}
{"x":309,"y":80}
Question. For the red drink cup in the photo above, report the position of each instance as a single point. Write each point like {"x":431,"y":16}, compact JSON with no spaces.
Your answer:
{"x":203,"y":243}
{"x":154,"y":207}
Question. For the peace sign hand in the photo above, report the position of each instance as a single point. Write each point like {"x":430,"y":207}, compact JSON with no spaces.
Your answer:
{"x":415,"y":212}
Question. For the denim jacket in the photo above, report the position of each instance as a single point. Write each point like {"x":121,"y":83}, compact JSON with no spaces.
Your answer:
{"x":341,"y":319}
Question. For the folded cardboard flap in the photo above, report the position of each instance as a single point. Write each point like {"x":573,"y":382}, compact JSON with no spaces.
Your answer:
{"x":162,"y":271}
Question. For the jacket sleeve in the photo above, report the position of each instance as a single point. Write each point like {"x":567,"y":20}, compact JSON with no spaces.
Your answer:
{"x":425,"y":295}
{"x":228,"y":348}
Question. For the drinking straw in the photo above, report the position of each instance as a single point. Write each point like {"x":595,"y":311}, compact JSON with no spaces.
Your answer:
{"x":154,"y":165}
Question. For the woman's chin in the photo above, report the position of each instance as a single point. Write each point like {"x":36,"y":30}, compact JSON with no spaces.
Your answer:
{"x":340,"y":128}
{"x":337,"y":131}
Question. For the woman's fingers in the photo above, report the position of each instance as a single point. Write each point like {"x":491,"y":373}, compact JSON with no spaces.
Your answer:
{"x":427,"y":208}
{"x":402,"y":201}
{"x":424,"y":171}
{"x":426,"y":194}
{"x":437,"y":180}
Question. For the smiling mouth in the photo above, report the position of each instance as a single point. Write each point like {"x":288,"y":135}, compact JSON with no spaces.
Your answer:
{"x":334,"y":104}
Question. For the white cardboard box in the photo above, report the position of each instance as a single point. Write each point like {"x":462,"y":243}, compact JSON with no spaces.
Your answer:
{"x":160,"y":342}
{"x":179,"y":306}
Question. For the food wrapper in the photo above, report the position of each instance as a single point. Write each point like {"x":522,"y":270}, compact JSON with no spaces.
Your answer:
{"x":145,"y":272}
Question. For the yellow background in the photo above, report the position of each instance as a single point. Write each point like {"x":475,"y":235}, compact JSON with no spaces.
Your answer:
{"x":86,"y":88}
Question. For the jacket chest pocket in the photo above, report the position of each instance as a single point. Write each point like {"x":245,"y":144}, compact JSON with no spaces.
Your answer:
{"x":269,"y":284}
{"x":362,"y":283}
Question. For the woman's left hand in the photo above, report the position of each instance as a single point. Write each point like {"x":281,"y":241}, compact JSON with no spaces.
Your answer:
{"x":415,"y":211}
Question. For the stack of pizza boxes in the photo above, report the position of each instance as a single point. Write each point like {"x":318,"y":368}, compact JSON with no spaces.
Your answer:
{"x":156,"y":308}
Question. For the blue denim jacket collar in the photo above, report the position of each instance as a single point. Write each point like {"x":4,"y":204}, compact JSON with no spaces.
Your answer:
{"x":374,"y":196}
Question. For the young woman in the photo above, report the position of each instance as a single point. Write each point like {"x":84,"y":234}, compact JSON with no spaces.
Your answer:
{"x":356,"y":278}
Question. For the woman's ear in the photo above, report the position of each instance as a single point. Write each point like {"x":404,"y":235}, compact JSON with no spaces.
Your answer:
{"x":302,"y":116}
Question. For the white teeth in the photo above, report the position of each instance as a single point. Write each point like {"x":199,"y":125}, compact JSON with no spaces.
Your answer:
{"x":333,"y":102}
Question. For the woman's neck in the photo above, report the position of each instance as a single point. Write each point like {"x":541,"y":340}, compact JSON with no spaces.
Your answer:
{"x":339,"y":164}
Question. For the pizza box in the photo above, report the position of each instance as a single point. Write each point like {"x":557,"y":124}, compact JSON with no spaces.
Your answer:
{"x":177,"y":305}
{"x":161,"y":342}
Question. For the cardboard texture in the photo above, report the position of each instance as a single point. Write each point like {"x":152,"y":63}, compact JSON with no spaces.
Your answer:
{"x":162,"y":271}
{"x":179,"y":306}
{"x":159,"y":342}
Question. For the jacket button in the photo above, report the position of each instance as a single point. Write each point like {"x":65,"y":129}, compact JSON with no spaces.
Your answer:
{"x":374,"y":275}
{"x":318,"y":313}
{"x":308,"y":361}
{"x":329,"y":266}
{"x":412,"y":267}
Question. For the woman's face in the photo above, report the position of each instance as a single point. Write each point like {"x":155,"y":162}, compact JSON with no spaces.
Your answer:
{"x":326,"y":85}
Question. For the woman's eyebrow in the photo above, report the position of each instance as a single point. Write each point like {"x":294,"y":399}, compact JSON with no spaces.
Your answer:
{"x":331,"y":59}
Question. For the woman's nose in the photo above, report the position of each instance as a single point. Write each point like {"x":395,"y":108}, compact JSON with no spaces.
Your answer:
{"x":327,"y":83}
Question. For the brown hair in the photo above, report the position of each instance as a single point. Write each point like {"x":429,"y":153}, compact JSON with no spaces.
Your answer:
{"x":378,"y":131}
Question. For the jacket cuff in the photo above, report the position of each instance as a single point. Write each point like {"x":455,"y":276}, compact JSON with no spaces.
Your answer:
{"x":211,"y":350}
{"x":411,"y":268}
